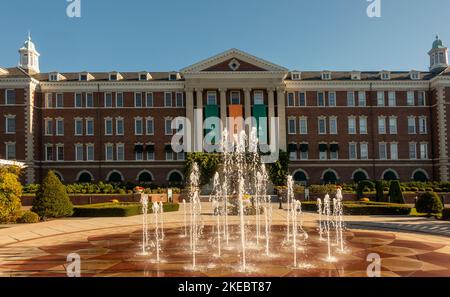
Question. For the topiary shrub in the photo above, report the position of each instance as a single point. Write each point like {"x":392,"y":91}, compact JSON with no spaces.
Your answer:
{"x":28,"y":217}
{"x":362,"y":186}
{"x":446,"y":214}
{"x":379,"y":197}
{"x":429,"y":203}
{"x":10,"y":193}
{"x":395,"y":193}
{"x":52,"y":200}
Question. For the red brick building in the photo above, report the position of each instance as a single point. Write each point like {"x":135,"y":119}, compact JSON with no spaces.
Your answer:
{"x":336,"y":126}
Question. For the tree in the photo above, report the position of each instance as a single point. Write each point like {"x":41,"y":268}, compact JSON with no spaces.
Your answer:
{"x":279,"y":170}
{"x":10,"y":194}
{"x":395,"y":193}
{"x":208,"y":164}
{"x":429,"y":203}
{"x":52,"y":200}
{"x":362,"y":185}
{"x":379,"y":197}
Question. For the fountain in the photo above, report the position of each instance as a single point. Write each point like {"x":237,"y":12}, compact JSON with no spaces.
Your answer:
{"x":144,"y":203}
{"x":185,"y":218}
{"x":319,"y":210}
{"x":195,"y":212}
{"x":328,"y":223}
{"x":339,"y":222}
{"x":156,"y":214}
{"x":161,"y":213}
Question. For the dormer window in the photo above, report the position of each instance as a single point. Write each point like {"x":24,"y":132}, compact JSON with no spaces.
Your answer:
{"x":115,"y":76}
{"x":53,"y":76}
{"x":296,"y":75}
{"x":174,"y":76}
{"x":356,"y":75}
{"x":83,"y":77}
{"x":385,"y":75}
{"x":144,"y":76}
{"x":414,"y":75}
{"x":326,"y":75}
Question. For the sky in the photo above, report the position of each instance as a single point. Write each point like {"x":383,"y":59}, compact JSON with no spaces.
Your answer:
{"x":166,"y":35}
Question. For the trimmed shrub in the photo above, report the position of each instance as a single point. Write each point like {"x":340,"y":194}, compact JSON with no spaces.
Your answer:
{"x":366,"y":208}
{"x":10,"y":193}
{"x":446,"y":214}
{"x":429,"y":203}
{"x":395,"y":193}
{"x":52,"y":200}
{"x":28,"y":217}
{"x":362,"y":186}
{"x":117,"y":210}
{"x":379,"y":197}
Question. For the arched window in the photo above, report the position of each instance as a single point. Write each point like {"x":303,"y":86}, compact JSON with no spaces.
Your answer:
{"x":330,"y":177}
{"x":360,"y":176}
{"x":59,"y":176}
{"x":145,"y":177}
{"x":85,"y":178}
{"x":420,"y":176}
{"x":390,"y":175}
{"x":300,"y":176}
{"x":175,"y":178}
{"x":115,"y":177}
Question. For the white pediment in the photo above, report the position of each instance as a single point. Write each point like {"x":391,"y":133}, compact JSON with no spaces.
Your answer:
{"x":224,"y":60}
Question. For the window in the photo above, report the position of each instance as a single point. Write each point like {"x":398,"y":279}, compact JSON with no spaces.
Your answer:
{"x":149,"y":100}
{"x":392,"y":125}
{"x":381,"y":125}
{"x":392,"y":100}
{"x":421,"y":99}
{"x":10,"y":97}
{"x":89,"y":100}
{"x":169,"y":155}
{"x":351,"y":99}
{"x":362,"y":125}
{"x":352,"y":151}
{"x":48,"y":152}
{"x":394,"y":151}
{"x":323,"y":155}
{"x":138,"y":129}
{"x":333,"y":125}
{"x":59,"y":100}
{"x":235,"y":98}
{"x":351,"y":125}
{"x":291,"y":126}
{"x":411,"y":125}
{"x":78,"y":100}
{"x":89,"y":127}
{"x":292,"y":151}
{"x":382,"y":148}
{"x":362,"y":98}
{"x":48,"y":100}
{"x":78,"y":127}
{"x":320,"y":99}
{"x":137,"y":99}
{"x":120,"y":151}
{"x":119,"y":99}
{"x":150,"y":153}
{"x":113,"y":77}
{"x":168,"y":126}
{"x":119,"y":126}
{"x":326,"y":75}
{"x":332,"y":99}
{"x":424,"y":151}
{"x":108,"y":100}
{"x":90,"y":152}
{"x":410,"y":98}
{"x":10,"y":151}
{"x":303,"y":125}
{"x":60,"y":152}
{"x":59,"y":127}
{"x":150,"y":129}
{"x":10,"y":124}
{"x":385,"y":76}
{"x":168,"y":99}
{"x":258,"y":97}
{"x":423,"y":125}
{"x":322,"y":125}
{"x":290,"y":99}
{"x":211,"y":98}
{"x":380,"y":98}
{"x":304,"y":152}
{"x":413,"y":150}
{"x":109,"y":152}
{"x":179,"y":99}
{"x":48,"y":127}
{"x":364,"y":151}
{"x":83,"y":77}
{"x":79,"y":154}
{"x":181,"y":156}
{"x":108,"y":126}
{"x":302,"y":99}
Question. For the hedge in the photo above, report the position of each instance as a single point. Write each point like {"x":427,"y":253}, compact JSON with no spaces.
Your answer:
{"x":446,"y":214}
{"x":366,"y":208}
{"x":117,"y":209}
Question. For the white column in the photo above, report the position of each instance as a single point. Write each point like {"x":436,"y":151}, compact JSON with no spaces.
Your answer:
{"x":248,"y":108}
{"x":190,"y":115}
{"x":271,"y":114}
{"x":199,"y":121}
{"x":223,"y":107}
{"x":282,"y":115}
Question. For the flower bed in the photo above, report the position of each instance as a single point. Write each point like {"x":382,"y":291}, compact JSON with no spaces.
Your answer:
{"x":117,"y":209}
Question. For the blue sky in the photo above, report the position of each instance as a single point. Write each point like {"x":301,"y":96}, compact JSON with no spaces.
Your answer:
{"x":162,"y":35}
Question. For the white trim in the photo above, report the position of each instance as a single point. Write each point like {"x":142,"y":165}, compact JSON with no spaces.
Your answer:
{"x":145,"y":171}
{"x":304,"y":172}
{"x":173,"y":171}
{"x":420,"y":170}
{"x":329,"y":170}
{"x":360,"y":170}
{"x":108,"y":176}
{"x":82,"y":172}
{"x":389,"y":169}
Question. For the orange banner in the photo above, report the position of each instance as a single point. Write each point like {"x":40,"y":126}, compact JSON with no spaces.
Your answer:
{"x":236,"y":111}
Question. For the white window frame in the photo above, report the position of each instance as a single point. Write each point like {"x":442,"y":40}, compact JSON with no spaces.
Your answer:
{"x":288,"y":101}
{"x":109,"y":120}
{"x":46,"y":151}
{"x":92,"y":100}
{"x":392,"y":99}
{"x":166,"y":101}
{"x":117,"y":100}
{"x":78,"y":120}
{"x":238,"y":97}
{"x":177,"y":103}
{"x":109,"y":157}
{"x":381,"y":100}
{"x":152,"y":120}
{"x":79,"y":148}
{"x":351,"y":99}
{"x":364,"y":151}
{"x":299,"y":99}
{"x":48,"y":127}
{"x":324,"y":119}
{"x":412,"y":129}
{"x":323,"y":98}
{"x":59,"y":122}
{"x":424,"y":151}
{"x":332,"y":99}
{"x":48,"y":100}
{"x":7,"y":126}
{"x":168,"y":123}
{"x":393,"y":150}
{"x":76,"y":96}
{"x":88,"y":147}
{"x":363,"y":129}
{"x":303,"y":125}
{"x":392,"y":120}
{"x":120,"y":147}
{"x":136,"y":121}
{"x":410,"y":98}
{"x":353,"y":147}
{"x":412,"y":150}
{"x":58,"y":147}
{"x":423,"y":125}
{"x":382,"y":120}
{"x":384,"y":145}
{"x":135,"y":100}
{"x":362,"y":99}
{"x":58,"y":104}
{"x":352,"y":124}
{"x":333,"y":125}
{"x":118,"y":132}
{"x":292,"y":121}
{"x":211,"y":95}
{"x":8,"y":146}
{"x":110,"y":94}
{"x":90,"y":120}
{"x":6,"y":97}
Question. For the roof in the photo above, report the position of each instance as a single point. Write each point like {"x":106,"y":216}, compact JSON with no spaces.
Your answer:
{"x":365,"y":75}
{"x":104,"y":76}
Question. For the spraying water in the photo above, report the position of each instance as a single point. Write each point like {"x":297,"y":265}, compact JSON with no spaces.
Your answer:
{"x":156,"y":213}
{"x":320,"y":211}
{"x":195,"y":211}
{"x":144,"y":203}
{"x":340,"y":223}
{"x":161,"y":212}
{"x":327,"y":210}
{"x":185,"y":217}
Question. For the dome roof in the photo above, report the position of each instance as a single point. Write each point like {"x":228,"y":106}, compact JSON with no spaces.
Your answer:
{"x":28,"y":45}
{"x":438,"y":43}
